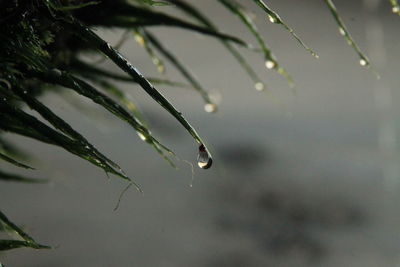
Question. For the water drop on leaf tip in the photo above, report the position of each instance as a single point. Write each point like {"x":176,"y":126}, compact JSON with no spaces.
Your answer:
{"x":204,"y":161}
{"x":210,"y":107}
{"x":259,"y":86}
{"x":363,"y":62}
{"x":270,"y":64}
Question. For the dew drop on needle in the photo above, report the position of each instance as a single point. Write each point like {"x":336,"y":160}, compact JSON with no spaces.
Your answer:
{"x":363,"y":62}
{"x":204,"y":160}
{"x":270,"y":64}
{"x":210,"y":107}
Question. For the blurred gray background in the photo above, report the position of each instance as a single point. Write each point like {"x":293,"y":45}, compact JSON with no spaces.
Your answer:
{"x":309,"y":181}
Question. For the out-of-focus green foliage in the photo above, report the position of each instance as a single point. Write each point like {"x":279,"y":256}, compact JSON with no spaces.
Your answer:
{"x":41,"y":48}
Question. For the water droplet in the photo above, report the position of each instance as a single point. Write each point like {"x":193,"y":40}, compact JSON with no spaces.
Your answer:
{"x":210,"y":107}
{"x":272,"y":19}
{"x":139,"y":39}
{"x":342,"y":31}
{"x":259,"y":86}
{"x":396,"y":9}
{"x":161,"y":68}
{"x":142,"y":136}
{"x":270,"y":64}
{"x":203,"y":159}
{"x":363,"y":62}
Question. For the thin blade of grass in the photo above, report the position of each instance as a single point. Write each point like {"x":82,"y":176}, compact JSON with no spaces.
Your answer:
{"x":63,"y":126}
{"x":364,"y":61}
{"x":275,"y":18}
{"x":12,"y":150}
{"x":130,"y":16}
{"x":123,"y":98}
{"x":101,"y":45}
{"x":10,"y":177}
{"x":73,"y":7}
{"x":86,"y":70}
{"x":30,"y":242}
{"x":14,"y":162}
{"x":270,"y":61}
{"x":85,"y":89}
{"x":13,"y":244}
{"x":141,"y":40}
{"x":395,"y":6}
{"x":179,"y":66}
{"x":17,"y":121}
{"x":195,"y":13}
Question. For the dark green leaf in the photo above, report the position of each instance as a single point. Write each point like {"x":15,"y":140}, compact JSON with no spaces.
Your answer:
{"x":10,"y":244}
{"x":9,"y":177}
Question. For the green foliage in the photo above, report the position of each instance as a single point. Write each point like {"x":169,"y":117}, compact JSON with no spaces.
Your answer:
{"x":26,"y":241}
{"x":40,"y":49}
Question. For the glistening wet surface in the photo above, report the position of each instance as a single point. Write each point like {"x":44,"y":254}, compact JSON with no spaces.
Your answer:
{"x":301,"y":183}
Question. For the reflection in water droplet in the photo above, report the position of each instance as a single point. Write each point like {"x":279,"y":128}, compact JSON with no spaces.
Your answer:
{"x":342,"y":31}
{"x":363,"y":62}
{"x":396,"y":9}
{"x":272,"y":19}
{"x":142,"y":136}
{"x":259,"y":86}
{"x":210,"y":107}
{"x":269,"y":64}
{"x":204,"y":160}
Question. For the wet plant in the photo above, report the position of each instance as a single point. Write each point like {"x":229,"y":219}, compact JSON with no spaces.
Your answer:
{"x":41,"y":48}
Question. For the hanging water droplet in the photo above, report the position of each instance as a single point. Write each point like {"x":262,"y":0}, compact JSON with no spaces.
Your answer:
{"x":270,"y":64}
{"x":210,"y":107}
{"x":342,"y":31}
{"x":272,"y":19}
{"x":203,"y":159}
{"x":363,"y":62}
{"x":396,"y":9}
{"x":259,"y":86}
{"x":142,"y":136}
